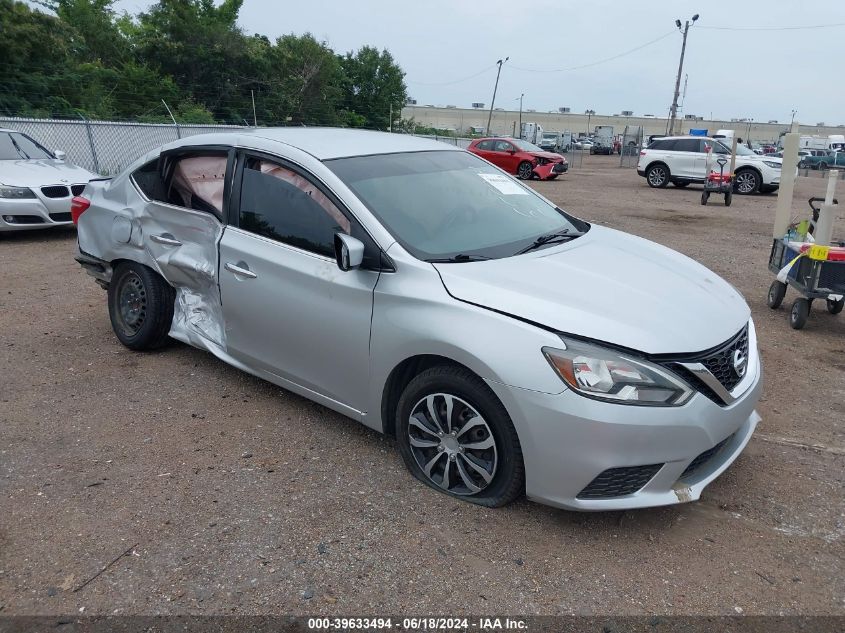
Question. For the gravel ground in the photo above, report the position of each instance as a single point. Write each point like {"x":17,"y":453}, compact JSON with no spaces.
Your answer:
{"x":230,"y":495}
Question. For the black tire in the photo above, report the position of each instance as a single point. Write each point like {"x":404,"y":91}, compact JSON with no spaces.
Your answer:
{"x":680,"y":184}
{"x":705,"y":196}
{"x":525,"y":170}
{"x":822,"y":166}
{"x":140,"y":306}
{"x":799,"y":313}
{"x":657,"y":175}
{"x":777,"y":291}
{"x":835,"y":307}
{"x":802,"y":165}
{"x":729,"y":196}
{"x":747,"y":182}
{"x":508,"y":475}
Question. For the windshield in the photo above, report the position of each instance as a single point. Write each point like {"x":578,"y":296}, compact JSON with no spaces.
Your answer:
{"x":525,"y":146}
{"x":741,"y":150}
{"x":442,"y":204}
{"x":550,"y":136}
{"x":17,"y":146}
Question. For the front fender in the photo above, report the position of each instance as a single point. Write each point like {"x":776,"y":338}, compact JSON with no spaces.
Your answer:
{"x":414,"y":315}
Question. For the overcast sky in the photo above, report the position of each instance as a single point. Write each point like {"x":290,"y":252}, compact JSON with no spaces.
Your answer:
{"x":762,"y":74}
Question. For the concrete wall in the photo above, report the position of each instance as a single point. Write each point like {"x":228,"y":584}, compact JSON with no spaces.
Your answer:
{"x":460,"y":120}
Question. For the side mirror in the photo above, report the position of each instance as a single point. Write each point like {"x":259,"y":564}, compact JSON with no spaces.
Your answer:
{"x":59,"y":154}
{"x":348,"y":251}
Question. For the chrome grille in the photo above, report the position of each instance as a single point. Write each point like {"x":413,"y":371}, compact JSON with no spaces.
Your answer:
{"x":721,"y":362}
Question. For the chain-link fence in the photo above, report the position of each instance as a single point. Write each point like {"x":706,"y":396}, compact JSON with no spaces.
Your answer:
{"x":631,"y":143}
{"x":104,"y":147}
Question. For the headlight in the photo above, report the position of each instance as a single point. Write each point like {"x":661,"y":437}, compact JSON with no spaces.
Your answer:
{"x":603,"y":374}
{"x":772,"y":164}
{"x":16,"y":192}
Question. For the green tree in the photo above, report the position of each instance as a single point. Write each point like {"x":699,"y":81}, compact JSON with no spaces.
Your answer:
{"x":95,"y":35}
{"x":304,"y":81}
{"x":34,"y":52}
{"x":373,"y":86}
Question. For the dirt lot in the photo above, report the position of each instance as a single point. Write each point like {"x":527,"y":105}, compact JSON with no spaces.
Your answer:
{"x":233,"y":496}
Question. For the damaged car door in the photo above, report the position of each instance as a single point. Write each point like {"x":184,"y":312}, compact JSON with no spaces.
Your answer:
{"x":181,"y":228}
{"x":289,"y":309}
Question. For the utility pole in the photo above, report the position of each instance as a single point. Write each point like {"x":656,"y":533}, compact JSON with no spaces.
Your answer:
{"x":520,"y":114}
{"x":674,"y":111}
{"x":254,"y":116}
{"x":589,"y":114}
{"x":390,"y":122}
{"x":495,"y":88}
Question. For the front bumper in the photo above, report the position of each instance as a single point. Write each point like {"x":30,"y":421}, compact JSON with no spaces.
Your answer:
{"x":550,"y":169}
{"x":569,"y":440}
{"x":34,"y":213}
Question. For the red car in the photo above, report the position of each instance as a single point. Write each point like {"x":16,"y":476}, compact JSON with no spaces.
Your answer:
{"x":519,"y":157}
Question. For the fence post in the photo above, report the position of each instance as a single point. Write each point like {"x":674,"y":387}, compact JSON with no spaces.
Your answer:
{"x":91,"y":142}
{"x":178,"y":131}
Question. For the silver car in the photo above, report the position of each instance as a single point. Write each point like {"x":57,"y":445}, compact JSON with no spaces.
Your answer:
{"x":508,"y":346}
{"x":36,"y":185}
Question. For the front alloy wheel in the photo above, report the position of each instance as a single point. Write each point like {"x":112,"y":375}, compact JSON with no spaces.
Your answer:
{"x":452,"y":444}
{"x":456,"y":436}
{"x":525,"y":171}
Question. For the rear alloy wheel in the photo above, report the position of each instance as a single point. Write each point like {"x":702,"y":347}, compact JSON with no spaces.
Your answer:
{"x":140,"y":306}
{"x":657,"y":176}
{"x":456,"y":436}
{"x":747,"y":182}
{"x":525,"y":171}
{"x":802,"y":165}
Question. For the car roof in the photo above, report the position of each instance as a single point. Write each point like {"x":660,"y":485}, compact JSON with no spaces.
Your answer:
{"x":326,"y":143}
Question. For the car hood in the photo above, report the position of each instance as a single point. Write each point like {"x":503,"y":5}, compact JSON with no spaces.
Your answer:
{"x":547,"y":155}
{"x":759,"y":158}
{"x":608,"y":286}
{"x":35,"y":173}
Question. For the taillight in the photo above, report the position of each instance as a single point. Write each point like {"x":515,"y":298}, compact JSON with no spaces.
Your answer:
{"x":78,"y":206}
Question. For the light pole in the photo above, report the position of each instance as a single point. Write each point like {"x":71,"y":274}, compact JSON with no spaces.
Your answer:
{"x":495,"y":87}
{"x":792,"y":122}
{"x":674,"y":111}
{"x":520,"y":114}
{"x":589,"y":113}
{"x":748,"y":133}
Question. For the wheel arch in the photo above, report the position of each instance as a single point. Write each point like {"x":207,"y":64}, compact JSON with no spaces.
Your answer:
{"x":401,"y":375}
{"x":757,"y":171}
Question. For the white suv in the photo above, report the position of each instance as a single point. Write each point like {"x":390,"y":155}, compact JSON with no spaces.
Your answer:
{"x":681,"y":160}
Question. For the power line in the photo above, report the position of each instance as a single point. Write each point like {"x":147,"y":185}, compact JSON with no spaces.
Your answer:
{"x":773,"y":28}
{"x":596,"y":63}
{"x":449,"y":83}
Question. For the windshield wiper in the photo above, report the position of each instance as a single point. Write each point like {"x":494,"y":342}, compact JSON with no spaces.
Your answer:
{"x":18,"y":147}
{"x":558,"y":236}
{"x":457,"y":259}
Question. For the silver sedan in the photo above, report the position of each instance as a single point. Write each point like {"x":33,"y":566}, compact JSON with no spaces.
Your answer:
{"x":36,"y":185}
{"x":509,"y":346}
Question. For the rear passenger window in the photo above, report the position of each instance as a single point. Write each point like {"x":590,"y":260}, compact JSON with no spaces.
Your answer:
{"x":687,"y":145}
{"x":195,"y":181}
{"x":663,"y":146}
{"x":148,"y":180}
{"x":282,"y":205}
{"x":485,"y":145}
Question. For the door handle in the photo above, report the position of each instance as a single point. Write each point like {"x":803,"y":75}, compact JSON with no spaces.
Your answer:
{"x":238,"y":270}
{"x":166,"y":239}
